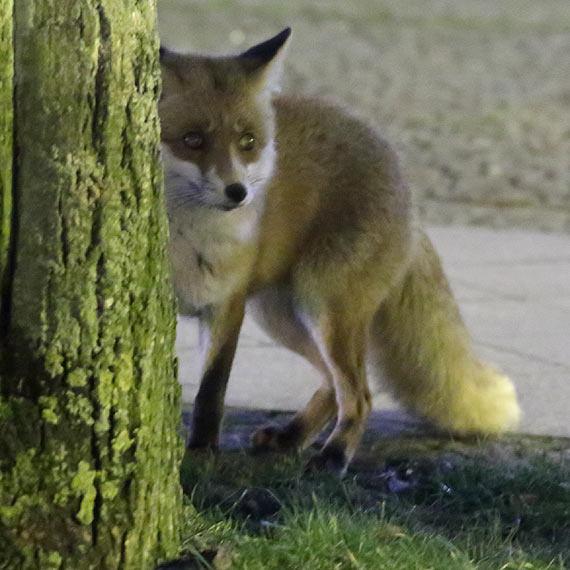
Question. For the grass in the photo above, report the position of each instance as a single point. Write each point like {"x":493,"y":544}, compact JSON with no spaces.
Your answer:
{"x":444,"y":511}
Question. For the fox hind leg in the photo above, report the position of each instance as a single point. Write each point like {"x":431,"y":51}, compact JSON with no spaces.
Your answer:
{"x":336,"y":347}
{"x":275,"y":312}
{"x":343,"y":344}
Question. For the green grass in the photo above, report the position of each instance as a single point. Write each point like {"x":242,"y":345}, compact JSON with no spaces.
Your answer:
{"x":459,"y":510}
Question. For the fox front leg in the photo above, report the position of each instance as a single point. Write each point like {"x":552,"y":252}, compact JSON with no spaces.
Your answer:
{"x":219,"y":332}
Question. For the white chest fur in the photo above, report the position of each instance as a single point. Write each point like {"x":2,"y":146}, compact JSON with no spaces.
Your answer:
{"x":212,"y":252}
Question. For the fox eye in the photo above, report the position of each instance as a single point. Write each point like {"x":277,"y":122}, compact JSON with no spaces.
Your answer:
{"x":193,"y":140}
{"x":246,"y":141}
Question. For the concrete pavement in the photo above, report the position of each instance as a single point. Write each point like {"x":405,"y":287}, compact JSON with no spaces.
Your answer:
{"x":513,"y":289}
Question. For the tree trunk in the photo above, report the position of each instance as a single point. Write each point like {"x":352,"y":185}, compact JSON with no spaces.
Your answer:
{"x":6,"y":120}
{"x":89,"y":403}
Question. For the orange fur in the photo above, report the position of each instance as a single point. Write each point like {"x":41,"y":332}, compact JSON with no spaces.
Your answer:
{"x":323,"y":245}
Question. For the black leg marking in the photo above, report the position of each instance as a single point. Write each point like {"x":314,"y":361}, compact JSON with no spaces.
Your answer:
{"x":331,"y":458}
{"x":209,"y":404}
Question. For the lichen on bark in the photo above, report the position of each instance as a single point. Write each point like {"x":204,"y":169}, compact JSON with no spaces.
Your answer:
{"x":89,"y":407}
{"x":6,"y":126}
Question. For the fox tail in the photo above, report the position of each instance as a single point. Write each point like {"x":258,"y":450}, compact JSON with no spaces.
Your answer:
{"x":424,"y":351}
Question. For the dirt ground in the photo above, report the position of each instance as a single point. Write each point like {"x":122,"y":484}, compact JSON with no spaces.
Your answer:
{"x":474,"y":93}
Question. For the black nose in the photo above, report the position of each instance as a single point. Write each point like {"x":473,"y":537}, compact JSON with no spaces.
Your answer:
{"x":236,"y":192}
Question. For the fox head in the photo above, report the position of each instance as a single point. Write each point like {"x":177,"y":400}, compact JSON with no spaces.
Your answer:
{"x":218,"y":125}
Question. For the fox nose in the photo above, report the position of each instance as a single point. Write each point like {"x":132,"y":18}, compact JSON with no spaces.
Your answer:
{"x":236,"y":192}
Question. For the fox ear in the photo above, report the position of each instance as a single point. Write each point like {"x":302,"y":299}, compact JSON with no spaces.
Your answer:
{"x":264,"y":62}
{"x":168,"y":59}
{"x":165,"y":55}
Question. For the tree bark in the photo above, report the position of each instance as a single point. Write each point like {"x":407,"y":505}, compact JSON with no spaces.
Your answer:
{"x":89,"y":403}
{"x":6,"y":122}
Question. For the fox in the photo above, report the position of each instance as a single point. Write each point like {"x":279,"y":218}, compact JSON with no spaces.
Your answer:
{"x":296,"y":209}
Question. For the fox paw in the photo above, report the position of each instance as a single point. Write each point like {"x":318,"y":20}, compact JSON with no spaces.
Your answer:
{"x":332,"y":459}
{"x":275,"y":438}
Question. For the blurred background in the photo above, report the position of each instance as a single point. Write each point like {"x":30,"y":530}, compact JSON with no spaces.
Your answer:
{"x":474,"y":93}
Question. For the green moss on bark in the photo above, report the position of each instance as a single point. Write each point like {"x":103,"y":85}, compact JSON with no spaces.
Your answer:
{"x":6,"y":125}
{"x":89,"y":412}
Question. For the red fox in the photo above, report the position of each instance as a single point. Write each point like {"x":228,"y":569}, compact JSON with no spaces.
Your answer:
{"x":299,"y":209}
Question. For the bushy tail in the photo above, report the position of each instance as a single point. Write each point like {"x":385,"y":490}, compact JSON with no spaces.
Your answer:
{"x":423,"y":348}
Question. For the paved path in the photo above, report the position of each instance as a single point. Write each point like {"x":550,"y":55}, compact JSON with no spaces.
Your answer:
{"x":514,"y":291}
